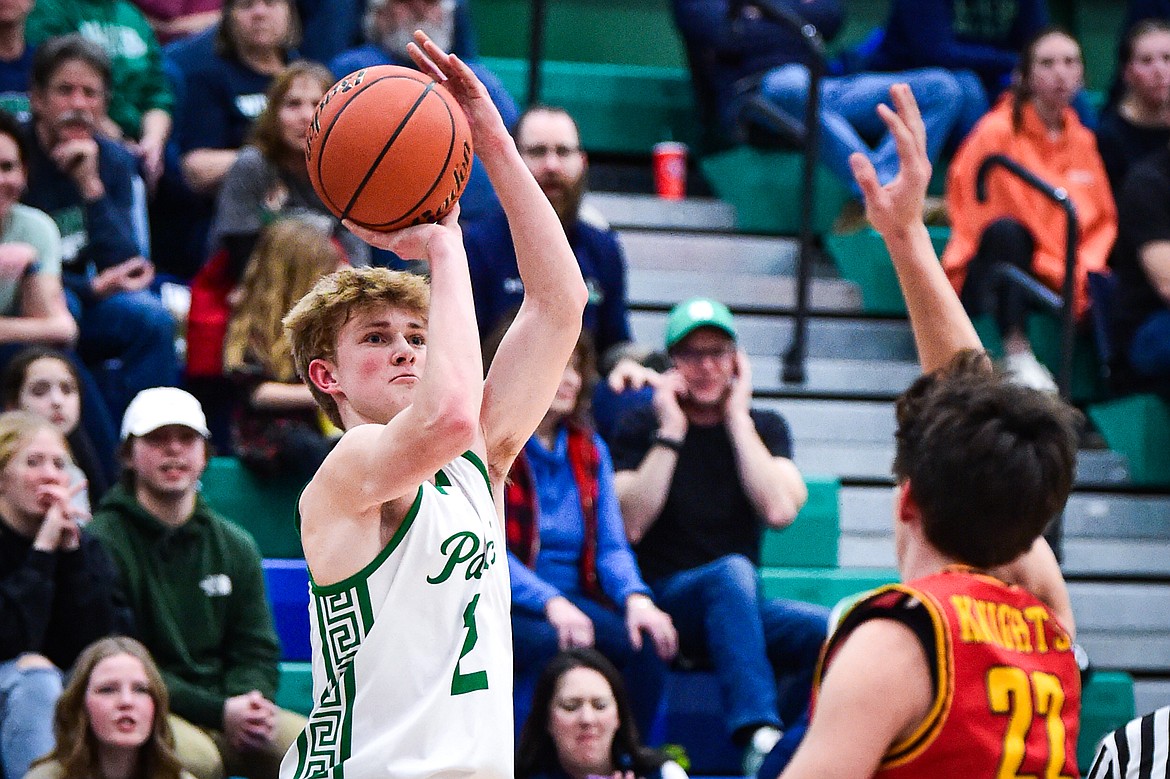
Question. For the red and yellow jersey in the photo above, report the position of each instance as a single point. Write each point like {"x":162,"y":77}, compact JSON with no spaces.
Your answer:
{"x":1007,"y":691}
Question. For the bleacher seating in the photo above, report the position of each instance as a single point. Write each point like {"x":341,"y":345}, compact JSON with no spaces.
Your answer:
{"x":620,"y":69}
{"x":263,"y":507}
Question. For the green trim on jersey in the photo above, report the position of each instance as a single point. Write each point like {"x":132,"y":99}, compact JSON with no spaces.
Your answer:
{"x":364,"y":573}
{"x":473,"y":458}
{"x":331,"y":727}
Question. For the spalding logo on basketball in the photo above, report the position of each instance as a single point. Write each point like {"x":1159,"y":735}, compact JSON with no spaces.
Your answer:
{"x":388,"y":148}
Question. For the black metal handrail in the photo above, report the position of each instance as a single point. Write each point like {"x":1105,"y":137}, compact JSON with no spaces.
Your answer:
{"x":793,"y":360}
{"x":535,"y":51}
{"x":1060,"y":196}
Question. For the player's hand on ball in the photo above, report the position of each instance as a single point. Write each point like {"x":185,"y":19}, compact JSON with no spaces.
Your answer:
{"x":460,"y":81}
{"x":417,"y":242}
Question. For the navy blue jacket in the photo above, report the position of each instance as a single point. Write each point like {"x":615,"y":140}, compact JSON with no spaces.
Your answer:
{"x":984,"y":38}
{"x":96,"y":235}
{"x":725,"y":44}
{"x":495,"y":278}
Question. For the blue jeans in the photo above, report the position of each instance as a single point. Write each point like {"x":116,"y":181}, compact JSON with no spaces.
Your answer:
{"x":28,"y":698}
{"x":128,"y":340}
{"x":1149,"y":352}
{"x":534,"y":643}
{"x":849,"y":113}
{"x":751,"y":642}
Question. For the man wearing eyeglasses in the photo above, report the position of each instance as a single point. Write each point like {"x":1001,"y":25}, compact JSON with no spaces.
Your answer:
{"x":550,"y":145}
{"x":699,"y":475}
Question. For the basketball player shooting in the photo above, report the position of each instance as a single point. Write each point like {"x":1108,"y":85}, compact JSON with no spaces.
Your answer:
{"x":956,"y":672}
{"x":402,"y":524}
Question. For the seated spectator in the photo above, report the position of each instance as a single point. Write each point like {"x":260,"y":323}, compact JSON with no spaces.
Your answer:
{"x":174,"y":20}
{"x":57,"y":586}
{"x":574,"y":579}
{"x":138,"y":101}
{"x":84,"y":181}
{"x":32,"y":304}
{"x":700,"y":474}
{"x":276,"y":428}
{"x":1035,"y":126}
{"x":225,"y":94}
{"x":46,"y":383}
{"x":550,"y":146}
{"x":221,"y":78}
{"x":32,"y":301}
{"x":1139,"y":123}
{"x":1131,"y":751}
{"x":330,"y":27}
{"x":582,"y":726}
{"x":980,"y":42}
{"x":196,"y":587}
{"x":15,"y":60}
{"x":111,"y":719}
{"x":268,"y":180}
{"x":389,"y":26}
{"x":735,"y":53}
{"x":1141,"y":263}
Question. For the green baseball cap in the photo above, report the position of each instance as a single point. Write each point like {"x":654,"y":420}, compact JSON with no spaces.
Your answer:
{"x":692,"y":314}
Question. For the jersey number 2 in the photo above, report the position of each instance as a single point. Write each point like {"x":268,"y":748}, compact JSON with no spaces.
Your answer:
{"x":475,"y":680}
{"x":1023,"y":696}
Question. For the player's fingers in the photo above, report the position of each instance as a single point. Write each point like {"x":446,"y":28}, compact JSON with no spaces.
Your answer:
{"x":451,"y":219}
{"x":907,"y":106}
{"x":424,"y":62}
{"x":635,"y":632}
{"x":899,"y":131}
{"x":865,"y":175}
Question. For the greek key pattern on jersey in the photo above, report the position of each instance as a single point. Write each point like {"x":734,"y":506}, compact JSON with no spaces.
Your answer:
{"x":345,"y":618}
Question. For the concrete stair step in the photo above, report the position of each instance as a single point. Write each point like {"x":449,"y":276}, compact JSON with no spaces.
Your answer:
{"x":840,"y":378}
{"x":1088,"y":515}
{"x":854,"y":439}
{"x":1150,"y":694}
{"x":835,"y":338}
{"x":649,"y":211}
{"x":705,"y":252}
{"x":664,"y":288}
{"x":1083,"y":558}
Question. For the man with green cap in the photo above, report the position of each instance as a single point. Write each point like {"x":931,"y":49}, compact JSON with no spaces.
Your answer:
{"x":699,"y":475}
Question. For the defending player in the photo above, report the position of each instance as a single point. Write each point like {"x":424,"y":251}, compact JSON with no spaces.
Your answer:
{"x":401,"y":526}
{"x":954,"y":673}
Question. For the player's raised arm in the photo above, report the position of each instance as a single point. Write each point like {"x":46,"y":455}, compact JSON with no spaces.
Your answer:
{"x":404,"y":377}
{"x":532,"y":356}
{"x":941,"y":326}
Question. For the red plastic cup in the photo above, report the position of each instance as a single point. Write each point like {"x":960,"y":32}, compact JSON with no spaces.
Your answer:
{"x":670,"y":170}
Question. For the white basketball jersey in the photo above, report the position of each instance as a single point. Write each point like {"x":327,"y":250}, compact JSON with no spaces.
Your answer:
{"x":412,"y":656}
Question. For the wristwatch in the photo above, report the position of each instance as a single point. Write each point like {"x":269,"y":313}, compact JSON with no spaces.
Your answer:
{"x":669,"y":443}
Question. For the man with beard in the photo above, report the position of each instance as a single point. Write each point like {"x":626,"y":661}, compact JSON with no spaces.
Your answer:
{"x":699,"y":475}
{"x":196,"y":587}
{"x":389,"y":26}
{"x":83,"y":181}
{"x":550,"y":145}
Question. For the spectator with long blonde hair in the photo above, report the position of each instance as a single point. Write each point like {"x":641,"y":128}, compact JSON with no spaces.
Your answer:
{"x":112,"y":720}
{"x":276,"y":427}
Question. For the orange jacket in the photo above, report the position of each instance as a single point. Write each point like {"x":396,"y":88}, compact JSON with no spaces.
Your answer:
{"x":1068,"y":160}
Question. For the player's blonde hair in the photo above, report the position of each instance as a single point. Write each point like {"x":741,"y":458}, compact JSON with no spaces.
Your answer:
{"x":289,"y":258}
{"x":314,"y":322}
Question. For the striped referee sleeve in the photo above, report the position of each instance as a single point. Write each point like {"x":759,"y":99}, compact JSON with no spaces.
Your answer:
{"x":1138,"y":750}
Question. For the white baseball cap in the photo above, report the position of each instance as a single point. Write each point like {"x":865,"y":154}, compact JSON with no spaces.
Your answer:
{"x":161,"y":406}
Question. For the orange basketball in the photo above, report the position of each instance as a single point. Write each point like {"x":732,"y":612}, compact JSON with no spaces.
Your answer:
{"x":388,"y":147}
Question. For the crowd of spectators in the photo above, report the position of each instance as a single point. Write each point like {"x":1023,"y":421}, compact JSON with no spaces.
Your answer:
{"x":163,"y":139}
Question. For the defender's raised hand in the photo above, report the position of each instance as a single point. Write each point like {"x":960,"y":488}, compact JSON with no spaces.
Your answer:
{"x":897,"y":205}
